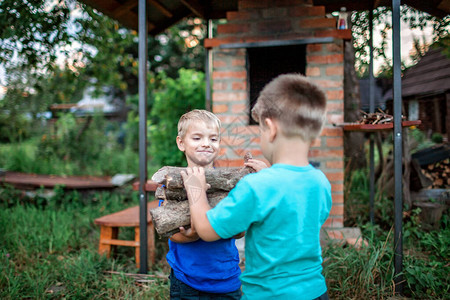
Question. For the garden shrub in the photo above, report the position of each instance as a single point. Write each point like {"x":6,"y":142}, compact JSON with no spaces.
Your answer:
{"x":174,"y":98}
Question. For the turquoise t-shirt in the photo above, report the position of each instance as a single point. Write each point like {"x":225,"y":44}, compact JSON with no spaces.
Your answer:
{"x":282,"y":209}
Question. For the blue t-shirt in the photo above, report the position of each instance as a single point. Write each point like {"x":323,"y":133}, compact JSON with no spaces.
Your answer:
{"x":206,"y":266}
{"x":282,"y":209}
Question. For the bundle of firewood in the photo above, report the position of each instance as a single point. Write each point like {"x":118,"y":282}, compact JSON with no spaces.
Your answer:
{"x":379,"y":117}
{"x":174,"y":213}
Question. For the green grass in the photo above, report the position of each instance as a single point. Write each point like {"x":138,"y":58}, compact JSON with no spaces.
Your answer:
{"x":368,"y":273}
{"x":359,"y":274}
{"x":49,"y":250}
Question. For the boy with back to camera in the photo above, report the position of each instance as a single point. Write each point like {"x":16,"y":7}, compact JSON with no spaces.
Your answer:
{"x":202,"y":270}
{"x":281,"y":208}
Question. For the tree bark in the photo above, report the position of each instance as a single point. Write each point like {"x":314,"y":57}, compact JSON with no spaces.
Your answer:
{"x":175,"y":213}
{"x":353,"y":141}
{"x":219,"y":179}
{"x":169,"y":218}
{"x":180,"y":194}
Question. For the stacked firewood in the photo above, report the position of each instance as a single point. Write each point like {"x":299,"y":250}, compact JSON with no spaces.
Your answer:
{"x":174,"y":212}
{"x":439,"y":174}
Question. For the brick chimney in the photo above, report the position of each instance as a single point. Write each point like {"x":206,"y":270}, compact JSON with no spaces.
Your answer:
{"x":267,"y":28}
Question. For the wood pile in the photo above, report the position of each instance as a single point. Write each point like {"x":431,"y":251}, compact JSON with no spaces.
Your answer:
{"x":174,"y":213}
{"x":439,"y":174}
{"x":434,"y":165}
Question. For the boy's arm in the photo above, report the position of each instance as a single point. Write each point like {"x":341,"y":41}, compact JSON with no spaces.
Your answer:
{"x":195,"y":185}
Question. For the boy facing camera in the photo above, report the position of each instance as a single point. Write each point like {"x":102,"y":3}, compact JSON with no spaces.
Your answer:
{"x":200,"y":269}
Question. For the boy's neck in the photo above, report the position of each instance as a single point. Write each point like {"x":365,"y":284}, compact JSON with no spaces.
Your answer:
{"x":290,"y":151}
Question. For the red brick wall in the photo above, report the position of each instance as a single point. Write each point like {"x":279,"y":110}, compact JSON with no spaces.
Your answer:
{"x":264,"y":20}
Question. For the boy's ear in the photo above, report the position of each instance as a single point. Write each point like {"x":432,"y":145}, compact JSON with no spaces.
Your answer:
{"x":180,"y":144}
{"x":272,"y":127}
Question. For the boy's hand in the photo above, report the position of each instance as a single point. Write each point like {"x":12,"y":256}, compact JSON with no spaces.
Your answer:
{"x":256,"y":164}
{"x":185,"y":236}
{"x":189,"y":234}
{"x":194,"y":183}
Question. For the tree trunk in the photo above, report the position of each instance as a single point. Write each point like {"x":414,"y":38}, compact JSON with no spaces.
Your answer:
{"x":353,"y":141}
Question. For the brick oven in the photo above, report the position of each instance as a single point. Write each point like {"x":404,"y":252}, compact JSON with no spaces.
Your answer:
{"x":261,"y":40}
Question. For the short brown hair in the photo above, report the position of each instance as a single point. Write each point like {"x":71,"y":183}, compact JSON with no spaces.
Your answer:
{"x":297,"y":103}
{"x":196,"y":115}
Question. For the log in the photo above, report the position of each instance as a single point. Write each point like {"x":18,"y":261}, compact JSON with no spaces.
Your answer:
{"x":168,"y":218}
{"x":180,"y":194}
{"x":219,"y":178}
{"x":174,"y":214}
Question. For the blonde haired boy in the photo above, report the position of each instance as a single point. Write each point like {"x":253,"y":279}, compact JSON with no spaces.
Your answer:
{"x":281,"y":208}
{"x":201,"y":270}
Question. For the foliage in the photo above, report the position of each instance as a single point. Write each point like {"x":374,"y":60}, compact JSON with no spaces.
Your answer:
{"x":419,"y":140}
{"x":367,"y":273}
{"x":80,"y":140}
{"x":359,"y":274}
{"x":132,"y":125}
{"x":173,"y":99}
{"x":90,"y":46}
{"x":14,"y":127}
{"x":52,"y":51}
{"x":437,"y":138}
{"x":180,"y":46}
{"x":18,"y":156}
{"x":50,"y":249}
{"x":382,"y":19}
{"x":79,"y":146}
{"x":112,"y":58}
{"x":106,"y":53}
{"x":70,"y":149}
{"x":356,"y":198}
{"x":427,"y":258}
{"x":426,"y":252}
{"x":30,"y":31}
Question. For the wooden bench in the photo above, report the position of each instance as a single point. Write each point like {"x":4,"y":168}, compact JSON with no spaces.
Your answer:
{"x":109,"y":231}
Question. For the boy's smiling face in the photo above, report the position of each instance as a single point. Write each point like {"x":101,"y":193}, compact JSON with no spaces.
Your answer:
{"x":200,"y":144}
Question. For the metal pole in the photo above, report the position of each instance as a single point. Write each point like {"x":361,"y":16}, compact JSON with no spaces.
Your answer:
{"x":208,"y":60}
{"x":371,"y":110}
{"x":397,"y":93}
{"x":143,"y":135}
